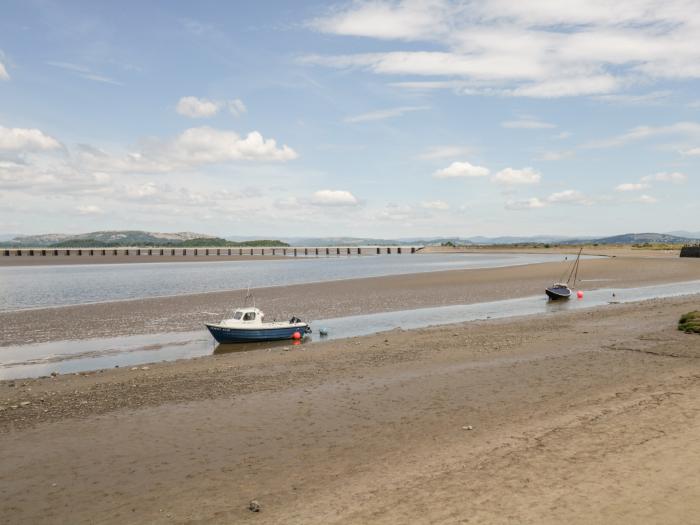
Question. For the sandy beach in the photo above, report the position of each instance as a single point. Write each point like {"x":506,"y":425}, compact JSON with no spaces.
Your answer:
{"x":586,"y":417}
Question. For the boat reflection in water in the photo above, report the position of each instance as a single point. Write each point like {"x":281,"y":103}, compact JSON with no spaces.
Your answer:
{"x":236,"y":348}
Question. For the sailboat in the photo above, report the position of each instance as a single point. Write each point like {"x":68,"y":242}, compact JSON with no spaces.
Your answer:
{"x":561,"y":290}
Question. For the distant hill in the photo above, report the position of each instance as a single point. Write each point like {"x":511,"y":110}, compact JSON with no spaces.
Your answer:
{"x":635,"y":238}
{"x":128,"y":238}
{"x":689,"y":235}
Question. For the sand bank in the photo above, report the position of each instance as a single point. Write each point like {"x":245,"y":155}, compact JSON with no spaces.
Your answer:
{"x":586,"y":417}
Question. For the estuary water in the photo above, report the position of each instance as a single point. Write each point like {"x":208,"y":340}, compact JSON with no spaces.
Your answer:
{"x":25,"y":287}
{"x":92,"y":354}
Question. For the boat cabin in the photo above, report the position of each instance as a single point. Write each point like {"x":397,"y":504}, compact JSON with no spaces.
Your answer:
{"x":248,"y":315}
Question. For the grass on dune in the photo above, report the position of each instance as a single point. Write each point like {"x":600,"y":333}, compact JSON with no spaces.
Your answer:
{"x":690,"y":322}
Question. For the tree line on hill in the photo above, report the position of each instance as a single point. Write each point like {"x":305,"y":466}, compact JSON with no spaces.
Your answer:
{"x":189,"y":243}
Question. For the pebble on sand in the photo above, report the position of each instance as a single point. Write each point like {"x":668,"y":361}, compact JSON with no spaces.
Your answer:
{"x":467,"y":427}
{"x":254,"y":506}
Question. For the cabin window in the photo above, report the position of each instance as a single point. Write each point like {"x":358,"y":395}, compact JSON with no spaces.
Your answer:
{"x":238,"y":316}
{"x":250,"y":316}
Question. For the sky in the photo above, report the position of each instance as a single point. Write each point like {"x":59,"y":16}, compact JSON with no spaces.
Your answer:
{"x":372,"y":119}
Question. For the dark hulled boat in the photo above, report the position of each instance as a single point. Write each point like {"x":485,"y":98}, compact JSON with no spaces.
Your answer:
{"x":561,"y":290}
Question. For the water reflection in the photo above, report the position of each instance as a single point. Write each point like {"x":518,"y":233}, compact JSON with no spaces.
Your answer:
{"x":236,"y":348}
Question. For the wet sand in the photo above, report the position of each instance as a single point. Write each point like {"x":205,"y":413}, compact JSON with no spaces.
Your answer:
{"x":333,"y":299}
{"x":577,"y":417}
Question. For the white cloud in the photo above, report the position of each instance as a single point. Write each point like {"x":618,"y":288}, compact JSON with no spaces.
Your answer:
{"x":692,"y":152}
{"x":533,"y":49}
{"x":511,"y":176}
{"x":194,"y":107}
{"x":89,"y":209}
{"x":632,"y":186}
{"x":646,"y":132}
{"x":527,"y":124}
{"x":571,"y":197}
{"x":557,"y":155}
{"x":674,"y":177}
{"x":400,"y":20}
{"x":445,"y":152}
{"x":237,"y":107}
{"x":655,"y":97}
{"x":206,"y":145}
{"x":26,"y":139}
{"x":646,"y":199}
{"x":4,"y":75}
{"x":529,"y":204}
{"x":435,"y":205}
{"x":85,"y":72}
{"x":385,"y":113}
{"x":193,"y":147}
{"x":461,"y":169}
{"x":334,"y":198}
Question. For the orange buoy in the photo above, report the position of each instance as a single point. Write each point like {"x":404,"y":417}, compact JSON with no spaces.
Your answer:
{"x":296,"y":335}
{"x":579,"y":294}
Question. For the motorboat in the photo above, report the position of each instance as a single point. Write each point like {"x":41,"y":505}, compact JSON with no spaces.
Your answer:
{"x":247,"y":325}
{"x":561,"y":290}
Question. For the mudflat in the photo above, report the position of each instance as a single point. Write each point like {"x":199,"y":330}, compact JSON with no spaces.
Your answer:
{"x":334,"y":298}
{"x":576,"y":417}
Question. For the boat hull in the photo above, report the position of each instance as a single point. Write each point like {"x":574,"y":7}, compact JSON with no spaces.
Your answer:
{"x":226,"y":335}
{"x":558,"y":293}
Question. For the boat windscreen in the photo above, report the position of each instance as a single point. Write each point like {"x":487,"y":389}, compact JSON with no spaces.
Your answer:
{"x":237,"y":316}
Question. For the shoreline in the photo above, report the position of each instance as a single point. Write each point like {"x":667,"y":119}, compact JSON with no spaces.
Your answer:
{"x":428,"y":425}
{"x":603,"y":251}
{"x":180,"y":313}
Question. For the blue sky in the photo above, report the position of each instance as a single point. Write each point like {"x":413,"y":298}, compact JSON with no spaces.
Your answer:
{"x":384,"y":119}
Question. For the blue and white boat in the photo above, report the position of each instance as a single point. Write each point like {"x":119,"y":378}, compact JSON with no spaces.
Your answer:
{"x":247,"y":326}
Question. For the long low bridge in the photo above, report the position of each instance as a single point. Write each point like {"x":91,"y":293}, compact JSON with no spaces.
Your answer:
{"x":208,"y":251}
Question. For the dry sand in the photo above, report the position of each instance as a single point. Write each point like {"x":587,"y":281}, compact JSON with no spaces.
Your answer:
{"x":577,"y":417}
{"x":333,"y":299}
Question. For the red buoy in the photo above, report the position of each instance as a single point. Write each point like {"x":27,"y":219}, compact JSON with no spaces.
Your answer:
{"x":296,"y":335}
{"x":579,"y":294}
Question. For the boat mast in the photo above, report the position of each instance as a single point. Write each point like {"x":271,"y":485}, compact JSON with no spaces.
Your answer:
{"x":574,"y":268}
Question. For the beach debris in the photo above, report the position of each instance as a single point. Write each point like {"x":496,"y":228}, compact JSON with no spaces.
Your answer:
{"x":323,"y":332}
{"x":25,"y":403}
{"x":254,"y":506}
{"x":467,"y":427}
{"x":54,"y":374}
{"x":134,"y":368}
{"x":145,"y":368}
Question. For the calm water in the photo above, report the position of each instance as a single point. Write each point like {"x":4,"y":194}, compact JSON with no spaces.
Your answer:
{"x":45,"y":286}
{"x":93,"y":354}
